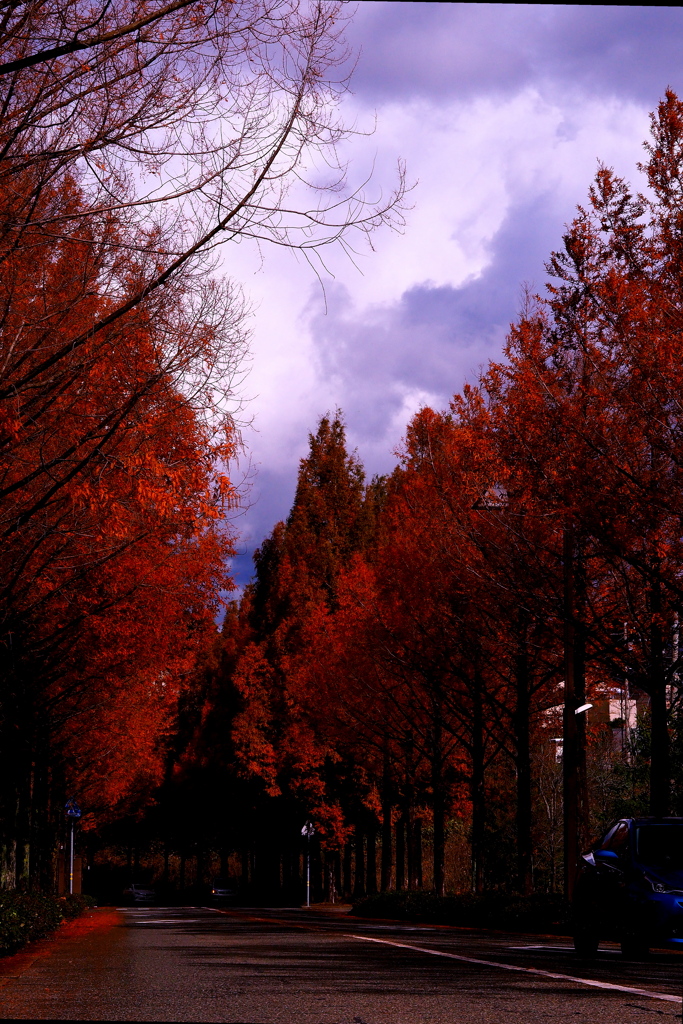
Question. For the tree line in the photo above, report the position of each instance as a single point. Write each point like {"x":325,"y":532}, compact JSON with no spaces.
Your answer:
{"x":412,"y":649}
{"x":137,"y":137}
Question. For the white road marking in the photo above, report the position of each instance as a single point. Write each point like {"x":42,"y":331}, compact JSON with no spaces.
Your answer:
{"x":553,"y":949}
{"x":527,"y":970}
{"x":171,"y":920}
{"x":540,"y":946}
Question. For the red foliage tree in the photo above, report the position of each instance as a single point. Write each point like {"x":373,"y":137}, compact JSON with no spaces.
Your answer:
{"x":588,"y":410}
{"x":112,"y":488}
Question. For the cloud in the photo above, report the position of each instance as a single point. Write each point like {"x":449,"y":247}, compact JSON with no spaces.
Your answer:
{"x":501,"y":112}
{"x":440,"y":51}
{"x":471,"y":161}
{"x":385,"y":361}
{"x":498,"y":180}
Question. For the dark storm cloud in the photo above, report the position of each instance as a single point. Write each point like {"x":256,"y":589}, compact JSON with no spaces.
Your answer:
{"x":441,"y":50}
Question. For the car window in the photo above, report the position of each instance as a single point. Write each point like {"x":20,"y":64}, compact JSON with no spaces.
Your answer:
{"x":660,"y":845}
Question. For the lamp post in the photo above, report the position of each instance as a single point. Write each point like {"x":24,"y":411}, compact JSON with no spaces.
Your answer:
{"x":73,"y":812}
{"x":307,"y":831}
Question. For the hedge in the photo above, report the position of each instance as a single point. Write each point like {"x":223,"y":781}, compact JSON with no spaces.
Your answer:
{"x":542,"y":912}
{"x":25,"y":916}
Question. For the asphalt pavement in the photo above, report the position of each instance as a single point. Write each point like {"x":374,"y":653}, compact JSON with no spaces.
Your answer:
{"x":267,"y":966}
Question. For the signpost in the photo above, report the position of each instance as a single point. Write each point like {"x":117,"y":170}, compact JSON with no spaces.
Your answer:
{"x":307,"y":831}
{"x":73,"y":812}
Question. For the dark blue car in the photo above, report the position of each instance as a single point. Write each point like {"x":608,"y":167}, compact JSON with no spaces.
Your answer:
{"x":630,"y":888}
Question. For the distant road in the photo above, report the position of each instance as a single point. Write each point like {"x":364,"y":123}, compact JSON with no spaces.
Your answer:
{"x":308,"y":967}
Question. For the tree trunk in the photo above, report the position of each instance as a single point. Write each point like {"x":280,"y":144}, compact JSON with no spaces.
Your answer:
{"x":417,"y":851}
{"x":477,"y":790}
{"x":385,"y":880}
{"x":660,"y":757}
{"x":439,"y":843}
{"x":410,"y":845}
{"x":400,"y":853}
{"x":359,"y":873}
{"x":371,"y":884}
{"x":580,"y":690}
{"x":317,"y":871}
{"x":15,"y":744}
{"x":348,"y":887}
{"x":438,"y":802}
{"x":245,"y":868}
{"x":28,"y":842}
{"x":8,"y":869}
{"x":523,"y":764}
{"x":574,"y":779}
{"x":337,"y":874}
{"x":330,"y":885}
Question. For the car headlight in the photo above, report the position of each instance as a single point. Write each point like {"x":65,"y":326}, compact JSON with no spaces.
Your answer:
{"x":658,"y":886}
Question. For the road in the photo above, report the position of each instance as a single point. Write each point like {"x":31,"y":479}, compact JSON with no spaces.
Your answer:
{"x":307,"y":967}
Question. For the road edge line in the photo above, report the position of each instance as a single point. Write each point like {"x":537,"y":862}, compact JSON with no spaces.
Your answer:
{"x":592,"y":983}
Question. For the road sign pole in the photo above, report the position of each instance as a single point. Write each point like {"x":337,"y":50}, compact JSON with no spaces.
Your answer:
{"x":71,"y":861}
{"x":308,"y":831}
{"x":308,"y":871}
{"x":73,"y":812}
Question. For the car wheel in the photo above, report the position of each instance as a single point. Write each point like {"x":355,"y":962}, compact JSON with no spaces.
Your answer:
{"x":586,"y":944}
{"x":634,"y":948}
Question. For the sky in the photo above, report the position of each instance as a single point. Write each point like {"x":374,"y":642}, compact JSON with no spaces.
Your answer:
{"x":501,"y":113}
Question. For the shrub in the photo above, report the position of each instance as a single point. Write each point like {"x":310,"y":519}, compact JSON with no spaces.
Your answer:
{"x":25,"y":916}
{"x":73,"y":905}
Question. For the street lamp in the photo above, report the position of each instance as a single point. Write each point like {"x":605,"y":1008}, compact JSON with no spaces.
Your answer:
{"x":307,"y":831}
